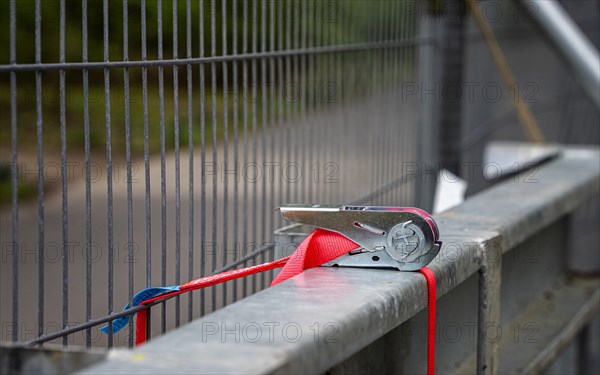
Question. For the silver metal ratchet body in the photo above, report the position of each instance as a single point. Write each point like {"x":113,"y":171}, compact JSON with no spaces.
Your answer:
{"x":404,"y":238}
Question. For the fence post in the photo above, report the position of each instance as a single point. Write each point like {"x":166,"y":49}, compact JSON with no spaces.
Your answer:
{"x":490,"y":275}
{"x":452,"y":47}
{"x":429,"y":53}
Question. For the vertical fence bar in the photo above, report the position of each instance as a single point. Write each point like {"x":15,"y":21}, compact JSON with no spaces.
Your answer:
{"x":126,"y":102}
{"x":392,"y":107}
{"x":391,"y":128}
{"x":63,"y":173}
{"x":146,"y":150}
{"x":343,"y":18}
{"x":86,"y":131}
{"x":302,"y":82}
{"x":356,"y":86}
{"x":377,"y":88}
{"x":369,"y":89}
{"x":281,"y":102}
{"x":344,"y":65}
{"x":320,"y":129}
{"x":310,"y":87}
{"x":236,"y":201}
{"x":202,"y":159}
{"x":264,"y":118}
{"x":213,"y":75}
{"x":403,"y":72}
{"x":109,"y":168}
{"x":403,"y":61}
{"x":190,"y":99}
{"x":397,"y":164}
{"x":225,"y":144}
{"x":324,"y":78}
{"x":177,"y":166}
{"x":245,"y":132}
{"x":40,"y":160}
{"x":14,"y":175}
{"x":412,"y":114}
{"x":254,"y":237}
{"x":414,"y":147}
{"x":288,"y":99}
{"x":163,"y":182}
{"x":271,"y":212}
{"x":126,"y":99}
{"x":296,"y":79}
{"x":396,"y":127}
{"x":387,"y":128}
{"x":380,"y":87}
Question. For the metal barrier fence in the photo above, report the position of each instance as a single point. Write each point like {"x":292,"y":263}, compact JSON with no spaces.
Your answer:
{"x":148,"y":143}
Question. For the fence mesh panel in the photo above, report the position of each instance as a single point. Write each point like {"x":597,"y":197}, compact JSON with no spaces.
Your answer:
{"x":148,"y":143}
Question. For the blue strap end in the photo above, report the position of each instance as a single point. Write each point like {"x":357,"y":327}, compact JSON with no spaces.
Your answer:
{"x":141,"y":296}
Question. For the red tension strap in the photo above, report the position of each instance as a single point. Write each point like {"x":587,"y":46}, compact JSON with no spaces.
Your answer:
{"x":431,"y":313}
{"x":319,"y":247}
{"x":140,"y":327}
{"x":203,"y":282}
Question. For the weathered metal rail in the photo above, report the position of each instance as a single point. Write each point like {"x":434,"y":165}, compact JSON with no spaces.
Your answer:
{"x":508,"y":302}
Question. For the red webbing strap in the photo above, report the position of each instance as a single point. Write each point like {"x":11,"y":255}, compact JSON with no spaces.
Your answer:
{"x":231,"y":275}
{"x":140,"y":327}
{"x":431,"y":316}
{"x":203,"y":282}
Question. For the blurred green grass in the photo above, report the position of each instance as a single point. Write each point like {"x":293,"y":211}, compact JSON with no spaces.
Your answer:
{"x":74,"y":115}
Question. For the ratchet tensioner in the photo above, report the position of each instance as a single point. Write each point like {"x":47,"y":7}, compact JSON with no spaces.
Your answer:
{"x":404,"y":238}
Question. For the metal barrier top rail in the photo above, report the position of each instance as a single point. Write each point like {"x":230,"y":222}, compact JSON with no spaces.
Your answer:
{"x":325,"y":315}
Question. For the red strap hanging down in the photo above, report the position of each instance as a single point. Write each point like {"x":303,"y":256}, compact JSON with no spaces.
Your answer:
{"x":431,"y":313}
{"x":319,"y":247}
{"x":141,"y":320}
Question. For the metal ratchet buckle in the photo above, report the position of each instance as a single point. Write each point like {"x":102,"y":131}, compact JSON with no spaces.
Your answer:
{"x":404,"y":238}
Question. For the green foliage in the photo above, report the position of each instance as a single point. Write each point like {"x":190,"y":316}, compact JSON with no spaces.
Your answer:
{"x":316,"y":23}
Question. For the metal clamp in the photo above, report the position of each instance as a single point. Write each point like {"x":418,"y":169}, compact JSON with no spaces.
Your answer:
{"x":404,"y":238}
